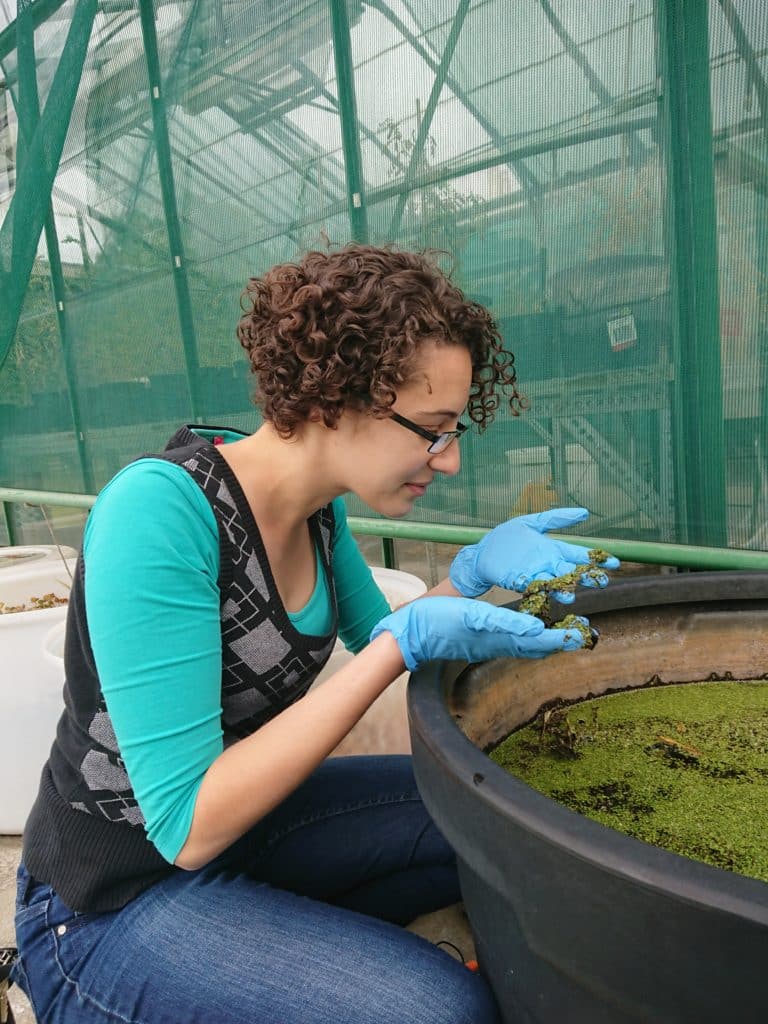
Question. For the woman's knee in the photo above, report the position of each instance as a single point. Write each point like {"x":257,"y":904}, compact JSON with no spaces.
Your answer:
{"x":459,"y":1000}
{"x":431,"y":988}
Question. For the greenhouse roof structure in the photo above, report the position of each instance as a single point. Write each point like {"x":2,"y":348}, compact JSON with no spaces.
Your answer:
{"x":596,"y":173}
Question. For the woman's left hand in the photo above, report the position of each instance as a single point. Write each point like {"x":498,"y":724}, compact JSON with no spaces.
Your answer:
{"x":517,"y":552}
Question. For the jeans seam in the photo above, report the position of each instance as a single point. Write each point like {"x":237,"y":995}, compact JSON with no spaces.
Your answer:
{"x":20,"y":978}
{"x":312,"y":819}
{"x":82,"y":996}
{"x":24,"y":912}
{"x":91,"y":1000}
{"x":416,"y":842}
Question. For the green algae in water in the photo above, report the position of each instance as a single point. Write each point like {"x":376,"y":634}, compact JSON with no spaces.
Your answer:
{"x":683,"y":766}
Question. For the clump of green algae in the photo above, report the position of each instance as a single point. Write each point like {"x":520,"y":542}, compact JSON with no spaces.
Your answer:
{"x":537,"y":599}
{"x":683,"y":766}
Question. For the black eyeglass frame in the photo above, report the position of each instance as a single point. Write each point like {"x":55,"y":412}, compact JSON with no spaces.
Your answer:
{"x":444,"y":439}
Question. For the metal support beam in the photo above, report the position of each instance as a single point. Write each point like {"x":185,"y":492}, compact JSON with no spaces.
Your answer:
{"x":524,"y":175}
{"x":517,"y":151}
{"x":350,"y":138}
{"x":23,"y":224}
{"x":593,"y":80}
{"x":758,"y":523}
{"x":170,"y":208}
{"x":39,"y":10}
{"x":686,"y":118}
{"x":388,"y":552}
{"x":62,"y":316}
{"x":751,"y":65}
{"x":429,"y":112}
{"x":262,"y":137}
{"x":615,"y":467}
{"x":319,"y":86}
{"x":492,"y":159}
{"x":10,"y":526}
{"x":28,"y":112}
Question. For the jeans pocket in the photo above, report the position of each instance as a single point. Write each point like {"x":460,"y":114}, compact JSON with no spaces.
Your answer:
{"x":74,"y":934}
{"x":34,"y":952}
{"x":29,"y":921}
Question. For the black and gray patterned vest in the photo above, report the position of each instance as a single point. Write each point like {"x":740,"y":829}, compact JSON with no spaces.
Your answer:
{"x":266,"y":665}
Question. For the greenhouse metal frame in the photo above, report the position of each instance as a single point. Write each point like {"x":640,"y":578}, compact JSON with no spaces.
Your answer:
{"x":596,"y":173}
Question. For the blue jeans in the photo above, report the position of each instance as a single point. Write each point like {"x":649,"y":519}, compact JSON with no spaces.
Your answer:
{"x":296,"y":923}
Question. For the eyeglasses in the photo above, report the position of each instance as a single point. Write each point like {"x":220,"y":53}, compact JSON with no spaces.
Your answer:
{"x":439,"y":441}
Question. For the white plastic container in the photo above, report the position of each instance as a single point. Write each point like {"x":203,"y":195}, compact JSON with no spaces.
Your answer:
{"x":53,"y":647}
{"x":25,"y":560}
{"x":383,"y":729}
{"x":32,"y":680}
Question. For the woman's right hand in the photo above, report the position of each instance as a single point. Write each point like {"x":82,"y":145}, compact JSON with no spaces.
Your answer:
{"x":464,"y":629}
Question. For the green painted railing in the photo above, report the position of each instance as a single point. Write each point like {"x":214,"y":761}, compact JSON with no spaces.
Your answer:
{"x":681,"y":555}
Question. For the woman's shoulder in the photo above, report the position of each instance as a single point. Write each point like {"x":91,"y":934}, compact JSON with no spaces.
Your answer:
{"x":155,"y":493}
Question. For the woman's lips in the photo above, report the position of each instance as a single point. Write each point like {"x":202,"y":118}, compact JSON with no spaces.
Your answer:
{"x":417,"y":489}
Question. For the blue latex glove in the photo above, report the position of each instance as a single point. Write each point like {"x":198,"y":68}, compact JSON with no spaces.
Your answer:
{"x":456,"y":628}
{"x":517,"y":552}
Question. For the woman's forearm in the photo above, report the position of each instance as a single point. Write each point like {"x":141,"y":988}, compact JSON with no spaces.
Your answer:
{"x":254,"y":775}
{"x":443,"y":589}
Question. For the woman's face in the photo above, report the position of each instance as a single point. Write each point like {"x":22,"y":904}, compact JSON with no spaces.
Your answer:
{"x":386,"y":464}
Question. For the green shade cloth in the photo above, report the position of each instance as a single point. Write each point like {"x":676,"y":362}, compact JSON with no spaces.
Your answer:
{"x":598,"y":173}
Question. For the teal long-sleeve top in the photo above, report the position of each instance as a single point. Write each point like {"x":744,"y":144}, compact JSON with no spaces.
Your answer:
{"x":151,"y":551}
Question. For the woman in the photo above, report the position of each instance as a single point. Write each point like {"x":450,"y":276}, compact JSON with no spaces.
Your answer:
{"x":193,"y":855}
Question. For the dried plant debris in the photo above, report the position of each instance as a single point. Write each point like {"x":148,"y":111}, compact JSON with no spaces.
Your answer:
{"x":34,"y":604}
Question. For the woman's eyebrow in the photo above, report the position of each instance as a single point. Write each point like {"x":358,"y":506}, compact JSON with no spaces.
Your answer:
{"x":445,"y":414}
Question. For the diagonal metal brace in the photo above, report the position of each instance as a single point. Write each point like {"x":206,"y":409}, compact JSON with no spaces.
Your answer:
{"x":23,"y":225}
{"x":612,"y":464}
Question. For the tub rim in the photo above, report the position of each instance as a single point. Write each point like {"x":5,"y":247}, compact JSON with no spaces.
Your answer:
{"x":434,"y":728}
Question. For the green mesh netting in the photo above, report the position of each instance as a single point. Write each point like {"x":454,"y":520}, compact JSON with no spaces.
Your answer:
{"x":597,"y":170}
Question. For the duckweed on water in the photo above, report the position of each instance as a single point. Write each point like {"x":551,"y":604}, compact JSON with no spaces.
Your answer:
{"x":684,"y":767}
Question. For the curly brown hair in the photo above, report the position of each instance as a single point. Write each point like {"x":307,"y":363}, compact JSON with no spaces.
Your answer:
{"x":343,"y":329}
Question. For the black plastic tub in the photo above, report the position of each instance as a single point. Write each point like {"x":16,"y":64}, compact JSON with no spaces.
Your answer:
{"x":575,"y":922}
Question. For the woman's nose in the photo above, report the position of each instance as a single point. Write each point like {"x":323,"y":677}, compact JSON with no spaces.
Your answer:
{"x":447,"y":461}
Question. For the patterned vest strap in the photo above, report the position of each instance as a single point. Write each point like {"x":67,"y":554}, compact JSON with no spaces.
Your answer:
{"x":267,"y":663}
